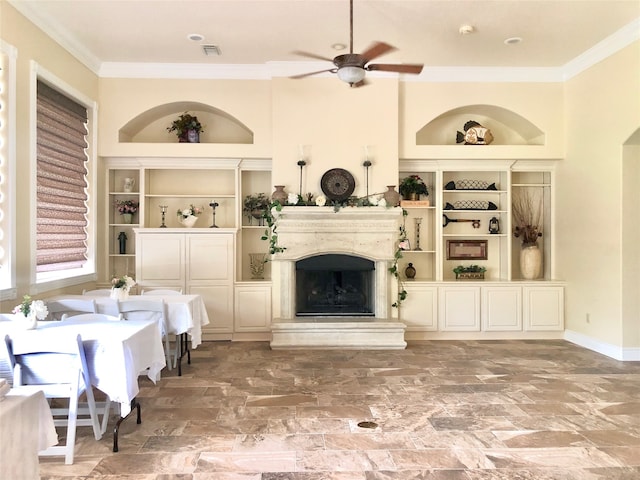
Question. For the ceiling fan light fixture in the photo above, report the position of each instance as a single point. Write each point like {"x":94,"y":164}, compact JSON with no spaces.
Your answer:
{"x":351,"y":74}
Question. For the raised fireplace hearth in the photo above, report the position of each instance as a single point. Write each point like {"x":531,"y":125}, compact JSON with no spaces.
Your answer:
{"x":331,"y":285}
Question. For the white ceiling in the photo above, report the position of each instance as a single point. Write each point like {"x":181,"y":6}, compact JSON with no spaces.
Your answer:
{"x":265,"y":32}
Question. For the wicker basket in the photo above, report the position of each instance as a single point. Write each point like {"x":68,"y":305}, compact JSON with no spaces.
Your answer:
{"x":470,"y":276}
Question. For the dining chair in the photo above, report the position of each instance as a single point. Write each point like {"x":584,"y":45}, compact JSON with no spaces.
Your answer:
{"x":178,"y":338}
{"x":61,"y":372}
{"x":98,"y":292}
{"x":139,"y":308}
{"x":67,"y":307}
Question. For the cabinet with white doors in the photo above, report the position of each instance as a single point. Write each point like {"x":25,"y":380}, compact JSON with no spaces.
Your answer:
{"x":252,"y":310}
{"x":199,"y":261}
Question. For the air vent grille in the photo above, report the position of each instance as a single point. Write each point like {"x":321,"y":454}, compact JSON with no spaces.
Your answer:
{"x":211,"y":50}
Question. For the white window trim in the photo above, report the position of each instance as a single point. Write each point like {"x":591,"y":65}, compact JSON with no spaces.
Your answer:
{"x":45,"y":281}
{"x":8,"y":290}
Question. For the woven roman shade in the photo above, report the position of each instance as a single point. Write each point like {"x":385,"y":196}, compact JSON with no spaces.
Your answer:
{"x":61,"y":181}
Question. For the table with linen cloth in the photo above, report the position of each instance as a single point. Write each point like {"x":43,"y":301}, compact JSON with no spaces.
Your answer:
{"x":185,"y":313}
{"x":26,"y":427}
{"x":116,"y":351}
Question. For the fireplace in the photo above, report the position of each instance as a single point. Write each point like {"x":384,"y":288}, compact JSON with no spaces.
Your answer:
{"x":331,"y":284}
{"x":334,"y":285}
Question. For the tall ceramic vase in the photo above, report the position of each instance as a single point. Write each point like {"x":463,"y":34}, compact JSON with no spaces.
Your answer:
{"x":530,"y":261}
{"x":279,"y":195}
{"x":188,"y":221}
{"x":391,"y":196}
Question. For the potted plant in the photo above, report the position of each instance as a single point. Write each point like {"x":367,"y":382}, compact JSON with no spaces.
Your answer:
{"x":187,"y":128}
{"x":127,"y":208}
{"x":255,"y":206}
{"x":471,"y":272}
{"x":412,"y":187}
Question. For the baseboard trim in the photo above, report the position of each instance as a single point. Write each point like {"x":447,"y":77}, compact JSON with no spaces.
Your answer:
{"x":612,"y":351}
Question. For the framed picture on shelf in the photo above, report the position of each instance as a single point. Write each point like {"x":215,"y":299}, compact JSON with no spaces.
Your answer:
{"x":466,"y":249}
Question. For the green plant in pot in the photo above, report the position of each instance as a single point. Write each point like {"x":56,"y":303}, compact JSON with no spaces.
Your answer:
{"x":469,"y":272}
{"x":254,"y":206}
{"x":412,"y":187}
{"x":187,"y":127}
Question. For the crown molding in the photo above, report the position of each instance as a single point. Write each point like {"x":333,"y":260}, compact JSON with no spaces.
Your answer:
{"x":61,"y":36}
{"x":607,"y":47}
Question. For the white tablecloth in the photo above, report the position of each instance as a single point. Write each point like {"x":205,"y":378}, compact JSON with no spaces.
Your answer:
{"x":26,"y":427}
{"x":186,"y":313}
{"x":116,"y":351}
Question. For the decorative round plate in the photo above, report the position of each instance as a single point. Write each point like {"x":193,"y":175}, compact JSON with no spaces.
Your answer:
{"x":337,"y":184}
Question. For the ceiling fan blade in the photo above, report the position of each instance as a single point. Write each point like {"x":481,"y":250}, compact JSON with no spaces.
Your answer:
{"x":303,"y":75}
{"x":400,"y":68}
{"x":375,"y":50}
{"x":312,"y":55}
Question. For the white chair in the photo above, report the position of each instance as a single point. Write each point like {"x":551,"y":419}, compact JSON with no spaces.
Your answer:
{"x":60,"y":371}
{"x":161,"y":291}
{"x":179,"y":338}
{"x":67,"y":307}
{"x":148,"y":309}
{"x":98,"y":292}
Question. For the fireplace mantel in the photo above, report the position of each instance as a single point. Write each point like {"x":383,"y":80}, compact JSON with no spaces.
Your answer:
{"x":368,"y":232}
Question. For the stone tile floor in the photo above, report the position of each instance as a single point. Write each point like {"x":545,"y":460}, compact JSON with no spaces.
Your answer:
{"x":444,"y":410}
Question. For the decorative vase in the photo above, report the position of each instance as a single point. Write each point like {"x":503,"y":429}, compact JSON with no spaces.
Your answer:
{"x":119,"y":294}
{"x":391,"y":196}
{"x":28,"y":322}
{"x":257,"y":214}
{"x":127,"y":217}
{"x":188,"y":221}
{"x":413,"y":196}
{"x":128,"y":184}
{"x":410,"y":271}
{"x":193,"y":136}
{"x":256,"y":265}
{"x":279,"y":195}
{"x":530,"y":261}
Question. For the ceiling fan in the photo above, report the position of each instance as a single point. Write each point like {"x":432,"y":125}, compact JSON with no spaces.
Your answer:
{"x":351,"y":67}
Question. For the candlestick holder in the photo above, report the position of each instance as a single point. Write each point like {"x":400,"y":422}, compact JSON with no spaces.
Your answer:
{"x":163,"y":209}
{"x":417,"y":221}
{"x":213,"y":205}
{"x":366,"y":165}
{"x":301,"y":164}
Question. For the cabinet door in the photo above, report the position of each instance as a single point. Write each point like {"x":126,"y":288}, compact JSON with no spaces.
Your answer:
{"x":543,"y":307}
{"x":253,"y":308}
{"x":218,"y":300}
{"x":501,"y":308}
{"x":419,"y":310}
{"x":459,"y":308}
{"x":209,"y":258}
{"x":160,"y":259}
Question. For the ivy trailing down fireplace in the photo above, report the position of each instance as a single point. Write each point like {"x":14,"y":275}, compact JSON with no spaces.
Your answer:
{"x":335,"y":285}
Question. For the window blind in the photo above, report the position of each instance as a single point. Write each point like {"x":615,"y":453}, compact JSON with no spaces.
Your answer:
{"x":61,"y":233}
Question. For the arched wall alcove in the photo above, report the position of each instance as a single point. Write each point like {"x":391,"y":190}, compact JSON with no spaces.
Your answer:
{"x":507,"y":127}
{"x":630,"y":241}
{"x":151,"y":126}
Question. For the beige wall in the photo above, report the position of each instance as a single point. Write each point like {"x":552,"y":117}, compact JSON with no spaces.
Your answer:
{"x":33,"y":45}
{"x":602,"y":110}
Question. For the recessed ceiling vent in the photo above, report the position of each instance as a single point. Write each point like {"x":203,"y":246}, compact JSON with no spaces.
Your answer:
{"x":211,"y":50}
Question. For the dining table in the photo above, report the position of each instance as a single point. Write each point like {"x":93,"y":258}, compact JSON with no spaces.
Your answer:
{"x":26,"y":427}
{"x":117,"y":352}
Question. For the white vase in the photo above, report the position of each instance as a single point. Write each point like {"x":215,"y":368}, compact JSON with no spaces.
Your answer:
{"x":119,"y":294}
{"x":530,"y":262}
{"x":28,"y":322}
{"x":189,"y":221}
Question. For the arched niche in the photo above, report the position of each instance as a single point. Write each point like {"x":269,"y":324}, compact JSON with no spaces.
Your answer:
{"x":151,"y":126}
{"x":507,"y":127}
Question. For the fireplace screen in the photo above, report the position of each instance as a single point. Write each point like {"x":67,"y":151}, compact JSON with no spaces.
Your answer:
{"x":328,"y":285}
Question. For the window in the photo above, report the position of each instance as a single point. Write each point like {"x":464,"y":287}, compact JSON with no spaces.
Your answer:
{"x":61,"y":175}
{"x":8,"y":56}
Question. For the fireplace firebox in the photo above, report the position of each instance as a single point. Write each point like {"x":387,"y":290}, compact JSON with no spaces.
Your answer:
{"x":335,"y":285}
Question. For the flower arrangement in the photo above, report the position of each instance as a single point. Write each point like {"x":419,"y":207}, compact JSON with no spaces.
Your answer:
{"x":184,"y":123}
{"x":189,"y":211}
{"x":127,"y":206}
{"x":32,"y":308}
{"x":527,"y":217}
{"x":255,"y":205}
{"x":125,"y":282}
{"x":413,"y":184}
